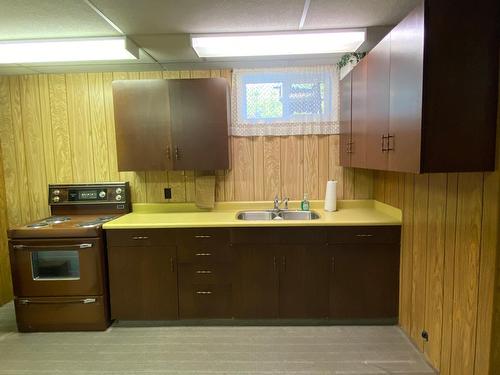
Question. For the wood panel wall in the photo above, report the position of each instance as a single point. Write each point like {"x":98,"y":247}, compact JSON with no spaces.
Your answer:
{"x":5,"y":281}
{"x":59,"y":128}
{"x":449,"y":247}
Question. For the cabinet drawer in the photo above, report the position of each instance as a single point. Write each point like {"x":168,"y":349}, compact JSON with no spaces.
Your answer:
{"x":204,"y":253}
{"x":140,"y":237}
{"x":201,"y":301}
{"x":285,"y":236}
{"x":197,"y":237}
{"x":364,"y":234}
{"x":205,"y":274}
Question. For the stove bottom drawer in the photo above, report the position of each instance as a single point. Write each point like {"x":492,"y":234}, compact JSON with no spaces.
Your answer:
{"x":87,"y":313}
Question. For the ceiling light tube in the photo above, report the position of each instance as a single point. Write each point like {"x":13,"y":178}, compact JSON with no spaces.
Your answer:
{"x":68,"y":49}
{"x":282,"y":43}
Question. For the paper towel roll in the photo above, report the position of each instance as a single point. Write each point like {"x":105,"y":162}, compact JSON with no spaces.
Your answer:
{"x":331,"y":196}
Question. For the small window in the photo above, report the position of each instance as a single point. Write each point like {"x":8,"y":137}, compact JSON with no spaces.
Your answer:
{"x":269,"y":102}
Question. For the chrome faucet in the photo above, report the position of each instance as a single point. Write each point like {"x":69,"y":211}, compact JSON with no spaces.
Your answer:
{"x":277,"y":203}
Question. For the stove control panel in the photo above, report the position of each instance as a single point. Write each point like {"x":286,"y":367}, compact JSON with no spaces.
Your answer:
{"x":98,"y":193}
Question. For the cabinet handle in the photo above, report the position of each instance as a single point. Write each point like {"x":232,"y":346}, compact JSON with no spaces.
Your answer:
{"x":390,"y":145}
{"x":204,"y":292}
{"x":172,"y":265}
{"x":364,"y":235}
{"x":274,"y":263}
{"x":384,"y":137}
{"x":203,"y":254}
{"x":177,"y":153}
{"x":333,"y":264}
{"x":202,"y":236}
{"x":169,"y":156}
{"x":140,"y":238}
{"x":283,"y":262}
{"x":204,"y":272}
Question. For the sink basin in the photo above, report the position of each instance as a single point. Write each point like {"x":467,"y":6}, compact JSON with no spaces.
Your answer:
{"x":299,"y":215}
{"x":280,"y":215}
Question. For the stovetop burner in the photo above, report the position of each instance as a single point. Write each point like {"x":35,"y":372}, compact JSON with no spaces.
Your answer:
{"x":38,"y":225}
{"x":97,"y":221}
{"x":56,"y":219}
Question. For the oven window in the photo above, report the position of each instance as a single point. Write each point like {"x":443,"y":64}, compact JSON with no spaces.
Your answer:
{"x":55,"y":265}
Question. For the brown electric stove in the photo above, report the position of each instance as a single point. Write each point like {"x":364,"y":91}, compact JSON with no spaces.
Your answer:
{"x":59,"y":263}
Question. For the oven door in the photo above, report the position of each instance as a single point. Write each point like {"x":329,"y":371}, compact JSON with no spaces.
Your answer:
{"x":57,"y":267}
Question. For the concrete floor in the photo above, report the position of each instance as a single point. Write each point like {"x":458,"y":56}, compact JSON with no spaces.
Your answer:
{"x":209,"y":350}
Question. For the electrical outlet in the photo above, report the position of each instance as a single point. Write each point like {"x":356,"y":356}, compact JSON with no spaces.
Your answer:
{"x":425,"y":335}
{"x":167,"y":192}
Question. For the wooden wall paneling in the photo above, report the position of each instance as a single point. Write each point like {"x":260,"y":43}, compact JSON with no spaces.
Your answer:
{"x":335,"y":171}
{"x":311,"y":167}
{"x":323,"y":163}
{"x":348,"y":176}
{"x":17,"y":128}
{"x":107,"y":79}
{"x":406,"y":272}
{"x":436,"y":235}
{"x":243,"y":169}
{"x":79,"y":126}
{"x":487,"y":268}
{"x":272,"y":167}
{"x":156,"y":181}
{"x":467,"y":250}
{"x":419,"y":261}
{"x":379,"y":186}
{"x":258,"y":167}
{"x":60,"y":128}
{"x":292,"y":168}
{"x":391,"y":189}
{"x":97,"y":127}
{"x":176,"y":179}
{"x":5,"y":278}
{"x":448,"y":271}
{"x":48,"y":142}
{"x":137,"y":179}
{"x":363,"y":184}
{"x":34,"y":149}
{"x":8,"y":144}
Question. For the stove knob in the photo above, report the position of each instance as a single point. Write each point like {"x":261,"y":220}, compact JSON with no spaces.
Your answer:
{"x":56,"y":199}
{"x":56,"y":192}
{"x":118,"y":190}
{"x":118,"y":197}
{"x":102,"y":194}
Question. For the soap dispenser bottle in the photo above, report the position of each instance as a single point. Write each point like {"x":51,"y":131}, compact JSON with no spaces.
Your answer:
{"x":304,"y":205}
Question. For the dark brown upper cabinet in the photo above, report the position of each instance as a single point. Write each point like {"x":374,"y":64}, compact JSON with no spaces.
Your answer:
{"x":171,"y":124}
{"x":431,"y":92}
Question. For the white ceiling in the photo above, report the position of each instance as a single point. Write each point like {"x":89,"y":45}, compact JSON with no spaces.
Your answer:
{"x":162,"y":27}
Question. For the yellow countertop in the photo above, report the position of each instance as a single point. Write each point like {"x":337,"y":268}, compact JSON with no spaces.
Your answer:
{"x":187,"y":215}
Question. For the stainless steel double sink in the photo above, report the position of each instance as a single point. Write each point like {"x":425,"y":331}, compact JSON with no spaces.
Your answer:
{"x":277,"y":215}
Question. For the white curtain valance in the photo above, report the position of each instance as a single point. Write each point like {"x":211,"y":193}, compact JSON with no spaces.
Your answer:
{"x":285,"y":101}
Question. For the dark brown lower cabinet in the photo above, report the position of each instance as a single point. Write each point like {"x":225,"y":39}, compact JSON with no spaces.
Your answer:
{"x":364,"y":282}
{"x":304,"y":273}
{"x":143,"y":282}
{"x":255,"y":282}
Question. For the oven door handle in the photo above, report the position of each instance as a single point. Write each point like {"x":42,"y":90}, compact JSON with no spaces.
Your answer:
{"x":46,"y":247}
{"x":85,"y":301}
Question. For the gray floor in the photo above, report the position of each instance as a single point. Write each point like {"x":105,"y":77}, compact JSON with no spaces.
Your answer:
{"x":209,"y":350}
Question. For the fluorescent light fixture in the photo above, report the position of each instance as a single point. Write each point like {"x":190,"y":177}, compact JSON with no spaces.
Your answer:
{"x":70,"y":49}
{"x":283,"y":43}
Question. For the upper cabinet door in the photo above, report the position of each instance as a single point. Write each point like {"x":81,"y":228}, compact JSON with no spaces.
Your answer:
{"x":345,"y":120}
{"x":406,"y":82}
{"x":359,"y":101}
{"x":377,"y":128}
{"x":142,"y":123}
{"x":199,"y":113}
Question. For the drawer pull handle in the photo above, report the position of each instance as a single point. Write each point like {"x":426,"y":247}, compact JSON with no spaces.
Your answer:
{"x":84,"y":301}
{"x":140,"y":238}
{"x":203,"y":292}
{"x":364,"y":235}
{"x":203,"y":254}
{"x":203,"y":272}
{"x":202,"y":236}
